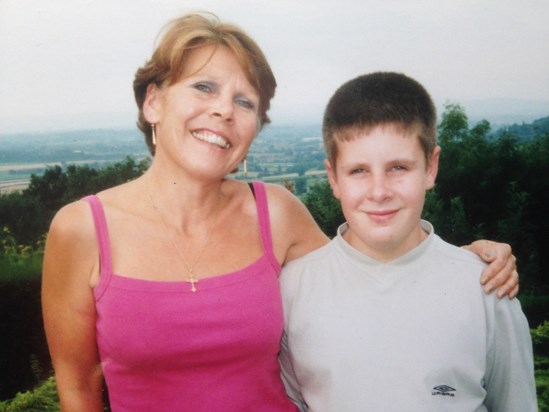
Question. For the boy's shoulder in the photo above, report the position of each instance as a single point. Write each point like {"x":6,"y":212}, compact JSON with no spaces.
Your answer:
{"x":317,"y":257}
{"x":448,"y":252}
{"x":457,"y":266}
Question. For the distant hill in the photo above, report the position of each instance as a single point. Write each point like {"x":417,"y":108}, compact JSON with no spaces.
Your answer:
{"x":505,"y":112}
{"x":527,"y":131}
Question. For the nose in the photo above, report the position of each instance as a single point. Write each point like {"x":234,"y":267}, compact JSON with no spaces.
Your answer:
{"x":223,"y":107}
{"x":379,"y":188}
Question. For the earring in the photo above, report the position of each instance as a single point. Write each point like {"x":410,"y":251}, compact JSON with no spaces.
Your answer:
{"x":245,"y":166}
{"x":153,"y":128}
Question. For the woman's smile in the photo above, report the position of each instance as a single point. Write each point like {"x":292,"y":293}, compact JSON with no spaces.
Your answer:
{"x":210,"y":137}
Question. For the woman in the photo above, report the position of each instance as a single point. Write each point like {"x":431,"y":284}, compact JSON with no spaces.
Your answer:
{"x":169,"y":286}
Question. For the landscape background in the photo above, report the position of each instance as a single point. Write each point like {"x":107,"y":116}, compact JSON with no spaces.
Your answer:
{"x":492,"y":184}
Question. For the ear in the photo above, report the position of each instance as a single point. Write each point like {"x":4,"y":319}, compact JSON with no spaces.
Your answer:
{"x":152,"y":106}
{"x":332,"y":178}
{"x":432,"y":168}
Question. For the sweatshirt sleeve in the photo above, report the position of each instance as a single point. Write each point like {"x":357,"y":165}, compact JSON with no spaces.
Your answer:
{"x":509,"y":380}
{"x":288,"y":285}
{"x":288,"y":376}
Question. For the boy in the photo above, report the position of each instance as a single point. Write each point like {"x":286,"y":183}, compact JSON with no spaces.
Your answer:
{"x":388,"y":316}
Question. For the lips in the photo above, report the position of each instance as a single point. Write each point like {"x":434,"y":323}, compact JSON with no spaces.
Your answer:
{"x":382,"y":215}
{"x":211,"y":138}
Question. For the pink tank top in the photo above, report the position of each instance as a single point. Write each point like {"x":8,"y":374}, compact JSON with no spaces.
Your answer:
{"x":165,"y":348}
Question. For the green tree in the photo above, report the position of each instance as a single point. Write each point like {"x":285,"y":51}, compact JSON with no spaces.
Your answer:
{"x":325,"y":209}
{"x":29,"y":213}
{"x":48,"y":189}
{"x":454,"y":124}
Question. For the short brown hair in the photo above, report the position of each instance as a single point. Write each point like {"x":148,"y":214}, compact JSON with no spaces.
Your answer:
{"x":188,"y":33}
{"x":377,"y":99}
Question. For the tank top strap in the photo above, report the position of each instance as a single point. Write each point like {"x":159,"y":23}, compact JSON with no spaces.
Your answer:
{"x":102,"y":233}
{"x":264,"y":222}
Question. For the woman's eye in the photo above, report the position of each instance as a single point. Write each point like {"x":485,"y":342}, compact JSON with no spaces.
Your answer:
{"x":245,"y":103}
{"x":203,"y":87}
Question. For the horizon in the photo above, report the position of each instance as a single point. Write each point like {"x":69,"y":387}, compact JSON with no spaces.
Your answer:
{"x":73,"y":61}
{"x":499,"y":112}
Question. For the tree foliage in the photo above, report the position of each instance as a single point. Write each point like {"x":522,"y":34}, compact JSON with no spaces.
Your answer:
{"x":493,"y":187}
{"x":27,"y":214}
{"x":325,"y":209}
{"x":44,"y":398}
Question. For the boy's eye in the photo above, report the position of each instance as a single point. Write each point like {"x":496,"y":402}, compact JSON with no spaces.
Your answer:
{"x":357,"y":171}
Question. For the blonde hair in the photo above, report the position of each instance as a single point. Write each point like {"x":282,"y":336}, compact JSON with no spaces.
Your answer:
{"x":188,"y":33}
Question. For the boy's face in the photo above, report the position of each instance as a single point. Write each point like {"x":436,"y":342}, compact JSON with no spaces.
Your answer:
{"x":381,"y":178}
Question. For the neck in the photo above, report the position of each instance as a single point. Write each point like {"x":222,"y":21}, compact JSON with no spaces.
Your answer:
{"x":184,"y":204}
{"x":387,"y":251}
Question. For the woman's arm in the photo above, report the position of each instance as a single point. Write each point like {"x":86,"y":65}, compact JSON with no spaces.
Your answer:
{"x":294,"y":231}
{"x":501,"y":273}
{"x":68,"y":307}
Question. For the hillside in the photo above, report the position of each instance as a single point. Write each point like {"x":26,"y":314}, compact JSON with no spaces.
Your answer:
{"x":527,"y":131}
{"x":277,"y":152}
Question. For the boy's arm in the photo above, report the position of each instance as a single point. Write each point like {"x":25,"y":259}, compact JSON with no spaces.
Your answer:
{"x":288,"y":376}
{"x":501,"y":273}
{"x":289,"y":280}
{"x":509,"y":380}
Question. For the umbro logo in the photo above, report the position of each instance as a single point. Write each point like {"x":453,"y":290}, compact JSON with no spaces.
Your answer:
{"x":443,"y":390}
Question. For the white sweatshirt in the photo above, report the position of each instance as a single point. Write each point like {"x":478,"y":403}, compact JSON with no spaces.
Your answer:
{"x":415,"y":334}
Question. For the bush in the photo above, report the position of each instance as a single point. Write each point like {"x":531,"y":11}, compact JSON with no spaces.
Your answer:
{"x":535,"y":307}
{"x":24,"y":358}
{"x":42,"y":399}
{"x":326,"y":209}
{"x":541,"y":365}
{"x":540,"y":339}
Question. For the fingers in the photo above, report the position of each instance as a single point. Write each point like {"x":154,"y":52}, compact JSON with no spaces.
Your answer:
{"x":499,"y":269}
{"x":502,"y":275}
{"x":492,"y":250}
{"x":510,"y":287}
{"x":514,"y":292}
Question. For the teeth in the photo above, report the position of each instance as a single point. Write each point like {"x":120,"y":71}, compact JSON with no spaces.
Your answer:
{"x":212,"y":138}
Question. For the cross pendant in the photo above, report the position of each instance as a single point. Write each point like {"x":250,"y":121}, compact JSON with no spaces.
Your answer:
{"x":192,"y":280}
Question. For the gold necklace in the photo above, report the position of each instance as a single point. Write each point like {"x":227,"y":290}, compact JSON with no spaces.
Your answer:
{"x":190,"y":269}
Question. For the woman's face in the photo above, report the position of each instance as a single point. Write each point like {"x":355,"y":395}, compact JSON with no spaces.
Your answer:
{"x":205,"y":122}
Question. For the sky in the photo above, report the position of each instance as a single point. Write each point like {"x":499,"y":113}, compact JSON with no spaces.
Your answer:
{"x":69,"y":64}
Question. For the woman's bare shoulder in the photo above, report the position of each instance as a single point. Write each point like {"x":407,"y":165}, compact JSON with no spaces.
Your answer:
{"x":71,"y":245}
{"x":73,"y":220}
{"x":72,"y":226}
{"x":293,"y":227}
{"x":280,"y":197}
